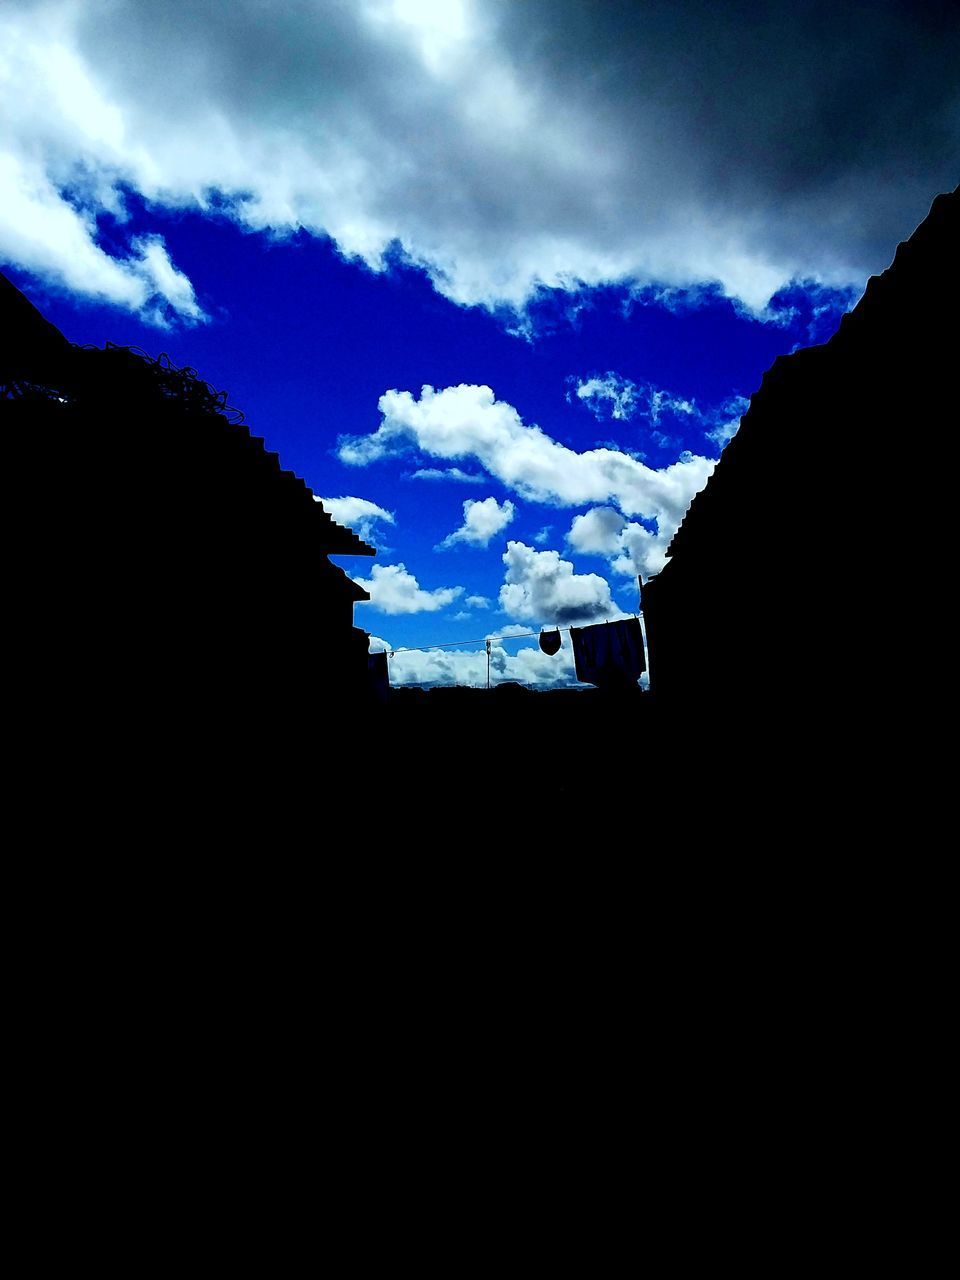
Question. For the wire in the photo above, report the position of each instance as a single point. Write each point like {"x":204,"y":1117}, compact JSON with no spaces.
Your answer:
{"x":184,"y":383}
{"x":453,"y":644}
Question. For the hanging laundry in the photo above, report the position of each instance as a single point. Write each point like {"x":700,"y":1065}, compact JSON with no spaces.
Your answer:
{"x":378,"y":676}
{"x":550,"y":641}
{"x":610,"y":654}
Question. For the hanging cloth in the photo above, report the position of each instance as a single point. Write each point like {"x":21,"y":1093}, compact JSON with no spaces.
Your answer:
{"x":610,"y":654}
{"x":550,"y":641}
{"x":630,"y":642}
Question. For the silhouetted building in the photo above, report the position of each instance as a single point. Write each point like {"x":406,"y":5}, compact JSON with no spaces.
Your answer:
{"x":176,"y":568}
{"x":812,"y":570}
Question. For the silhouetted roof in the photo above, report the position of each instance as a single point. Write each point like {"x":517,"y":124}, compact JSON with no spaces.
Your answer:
{"x":761,"y":454}
{"x":33,"y":351}
{"x":815,"y":559}
{"x":30,"y":343}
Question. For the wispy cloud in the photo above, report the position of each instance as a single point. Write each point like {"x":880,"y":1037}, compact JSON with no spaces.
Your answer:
{"x":610,"y":396}
{"x":445,"y":473}
{"x":359,"y":514}
{"x":614,"y":397}
{"x":726,"y":420}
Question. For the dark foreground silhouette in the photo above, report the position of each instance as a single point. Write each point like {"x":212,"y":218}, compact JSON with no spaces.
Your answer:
{"x":809,"y":579}
{"x":185,"y":580}
{"x":177,"y":602}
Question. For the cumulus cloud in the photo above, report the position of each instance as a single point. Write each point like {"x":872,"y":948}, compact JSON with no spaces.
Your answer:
{"x":468,"y":421}
{"x":481,"y":522}
{"x":503,"y":147}
{"x":477,"y":602}
{"x":431,"y":667}
{"x":359,"y":514}
{"x":540,"y":587}
{"x":393,"y":590}
{"x":597,"y":532}
{"x":631,"y":548}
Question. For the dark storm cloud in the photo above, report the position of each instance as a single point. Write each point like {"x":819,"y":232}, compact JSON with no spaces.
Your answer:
{"x":502,"y":145}
{"x":793,"y":112}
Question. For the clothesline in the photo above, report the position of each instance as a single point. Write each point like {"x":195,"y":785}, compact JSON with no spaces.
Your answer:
{"x":520,"y":635}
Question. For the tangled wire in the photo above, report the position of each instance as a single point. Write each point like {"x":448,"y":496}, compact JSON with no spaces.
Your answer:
{"x":182,"y":384}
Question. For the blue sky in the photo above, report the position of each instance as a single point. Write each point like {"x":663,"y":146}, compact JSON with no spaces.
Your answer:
{"x":327,"y":210}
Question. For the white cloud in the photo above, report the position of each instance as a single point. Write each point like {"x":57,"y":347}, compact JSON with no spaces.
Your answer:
{"x":617,"y":394}
{"x":43,"y":233}
{"x":510,"y":629}
{"x":167,"y":288}
{"x":502,"y":147}
{"x":597,"y":532}
{"x":528,"y":665}
{"x":448,"y":473}
{"x":541,"y":588}
{"x":359,"y":514}
{"x":726,"y":422}
{"x":393,"y":590}
{"x":481,"y":522}
{"x":613,"y":396}
{"x":663,"y":402}
{"x":616,"y":397}
{"x":543,"y":535}
{"x":724,"y":432}
{"x":468,"y":421}
{"x":630,"y":547}
{"x":477,"y":602}
{"x":641,"y":553}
